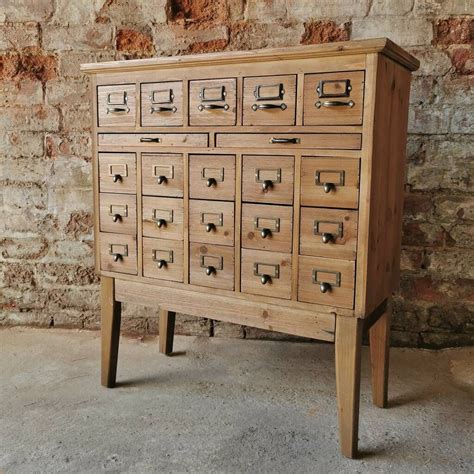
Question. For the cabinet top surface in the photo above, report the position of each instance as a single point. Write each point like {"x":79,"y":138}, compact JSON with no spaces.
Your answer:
{"x":377,"y":45}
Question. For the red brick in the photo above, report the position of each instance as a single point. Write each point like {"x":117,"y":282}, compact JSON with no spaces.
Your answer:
{"x":207,"y":46}
{"x":80,"y":223}
{"x":462,"y":60}
{"x":316,"y":32}
{"x":454,"y":31}
{"x":134,"y":42}
{"x":33,"y":65}
{"x":198,"y":14}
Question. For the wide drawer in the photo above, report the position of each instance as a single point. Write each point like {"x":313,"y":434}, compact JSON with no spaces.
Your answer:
{"x":323,"y":141}
{"x":162,"y":104}
{"x":328,"y":233}
{"x":153,"y":139}
{"x":326,"y":281}
{"x":117,"y":173}
{"x":118,"y":253}
{"x":330,"y":182}
{"x":118,"y":213}
{"x":163,"y":259}
{"x":162,"y":174}
{"x":211,"y":222}
{"x":267,"y":227}
{"x":163,"y":217}
{"x":116,"y":105}
{"x":211,"y":265}
{"x":266,"y":273}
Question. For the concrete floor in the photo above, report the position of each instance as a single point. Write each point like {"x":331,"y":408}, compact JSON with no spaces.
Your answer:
{"x":222,"y":405}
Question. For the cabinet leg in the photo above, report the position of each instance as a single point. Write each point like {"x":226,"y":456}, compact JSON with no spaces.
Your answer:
{"x":379,"y":335}
{"x":166,"y":331}
{"x":110,"y":331}
{"x":348,"y":348}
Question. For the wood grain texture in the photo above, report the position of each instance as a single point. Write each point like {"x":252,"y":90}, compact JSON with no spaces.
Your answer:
{"x":124,"y":246}
{"x":166,"y":325}
{"x":124,"y":165}
{"x":154,"y":140}
{"x":117,"y":105}
{"x":162,"y":174}
{"x":161,"y":104}
{"x":163,"y":218}
{"x":163,"y":259}
{"x":118,"y":213}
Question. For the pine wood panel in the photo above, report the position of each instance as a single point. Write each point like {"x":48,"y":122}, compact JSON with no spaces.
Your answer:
{"x":154,"y":140}
{"x":162,"y":104}
{"x":122,"y":246}
{"x":162,"y":174}
{"x":118,"y":213}
{"x":163,"y":218}
{"x":163,"y":259}
{"x":116,"y":105}
{"x":117,"y":173}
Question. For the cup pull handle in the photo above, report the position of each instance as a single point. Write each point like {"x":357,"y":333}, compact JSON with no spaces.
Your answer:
{"x":210,"y":270}
{"x":325,"y":287}
{"x":116,"y":257}
{"x":264,"y":279}
{"x":334,"y":103}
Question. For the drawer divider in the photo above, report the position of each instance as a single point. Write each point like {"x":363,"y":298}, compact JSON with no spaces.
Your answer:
{"x":296,"y":227}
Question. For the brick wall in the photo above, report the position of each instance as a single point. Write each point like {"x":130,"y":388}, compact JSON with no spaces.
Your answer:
{"x":45,"y":227}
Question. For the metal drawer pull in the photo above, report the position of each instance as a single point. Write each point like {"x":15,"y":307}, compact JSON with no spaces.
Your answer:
{"x":281,"y":106}
{"x":116,"y":217}
{"x":161,"y":223}
{"x":116,"y":256}
{"x":210,"y":227}
{"x":163,"y":109}
{"x":162,"y":262}
{"x":334,"y":103}
{"x":161,"y":179}
{"x":116,"y":110}
{"x":265,"y":233}
{"x":267,"y":225}
{"x":345,"y":85}
{"x":217,"y":217}
{"x":265,"y":279}
{"x":267,"y":185}
{"x":295,"y":141}
{"x":213,"y":107}
{"x":324,"y":285}
{"x":211,"y":182}
{"x":327,"y":237}
{"x":150,"y":139}
{"x":210,"y":270}
{"x":269,"y":88}
{"x":116,"y":178}
{"x":328,"y":187}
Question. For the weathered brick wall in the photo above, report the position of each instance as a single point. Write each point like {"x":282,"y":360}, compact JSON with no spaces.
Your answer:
{"x":46,"y":247}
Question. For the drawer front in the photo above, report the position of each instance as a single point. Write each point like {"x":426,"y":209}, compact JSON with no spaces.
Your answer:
{"x":118,"y":253}
{"x":212,"y":177}
{"x":162,"y":104}
{"x":211,"y":222}
{"x":163,"y":259}
{"x":211,"y":265}
{"x":322,"y":141}
{"x":163,"y":217}
{"x":117,"y":173}
{"x":266,"y":273}
{"x":118,"y":213}
{"x":155,"y":140}
{"x":267,"y":227}
{"x":328,"y":233}
{"x":326,"y":281}
{"x":268,"y":178}
{"x":116,"y":105}
{"x":335,"y":98}
{"x":162,"y":174}
{"x":270,"y":100}
{"x":212,"y":102}
{"x":330,"y":182}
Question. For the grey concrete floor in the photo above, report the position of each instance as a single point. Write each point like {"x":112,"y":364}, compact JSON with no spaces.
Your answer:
{"x":222,"y":405}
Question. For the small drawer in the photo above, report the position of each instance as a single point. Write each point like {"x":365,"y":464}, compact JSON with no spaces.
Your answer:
{"x":211,"y":222}
{"x":162,"y":104}
{"x":118,"y":253}
{"x":322,"y":141}
{"x":163,"y":259}
{"x":335,"y":98}
{"x":212,"y":102}
{"x":268,"y":178}
{"x":117,"y":173}
{"x":266,"y":273}
{"x":212,"y":177}
{"x":328,"y":233}
{"x":270,"y":100}
{"x":326,"y":281}
{"x":330,"y":182}
{"x":116,"y":106}
{"x":267,"y":227}
{"x":155,"y":140}
{"x":211,"y":265}
{"x":162,"y":174}
{"x":118,"y":213}
{"x":163,"y":217}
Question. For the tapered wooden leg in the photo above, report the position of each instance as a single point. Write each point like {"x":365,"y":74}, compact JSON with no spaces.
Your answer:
{"x":348,"y":348}
{"x":379,"y":335}
{"x":110,"y":331}
{"x":166,"y":331}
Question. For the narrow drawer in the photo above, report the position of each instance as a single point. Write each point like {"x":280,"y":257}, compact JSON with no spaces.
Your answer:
{"x":330,"y":182}
{"x":153,"y":139}
{"x":268,"y":179}
{"x":116,"y":105}
{"x":162,"y":174}
{"x":328,"y":233}
{"x":117,"y":173}
{"x":163,"y":217}
{"x":163,"y":259}
{"x":211,"y":222}
{"x":326,"y":281}
{"x":322,"y":141}
{"x":118,"y":213}
{"x":270,"y":100}
{"x":212,"y":177}
{"x":118,"y":253}
{"x":266,"y":273}
{"x":212,"y":102}
{"x":162,"y":104}
{"x":211,"y":265}
{"x":267,"y":227}
{"x":335,"y":98}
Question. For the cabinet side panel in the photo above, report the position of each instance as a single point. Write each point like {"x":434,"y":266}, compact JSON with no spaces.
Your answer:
{"x":95,"y":174}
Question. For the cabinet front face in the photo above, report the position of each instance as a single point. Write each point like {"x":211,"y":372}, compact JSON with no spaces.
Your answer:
{"x":116,"y":105}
